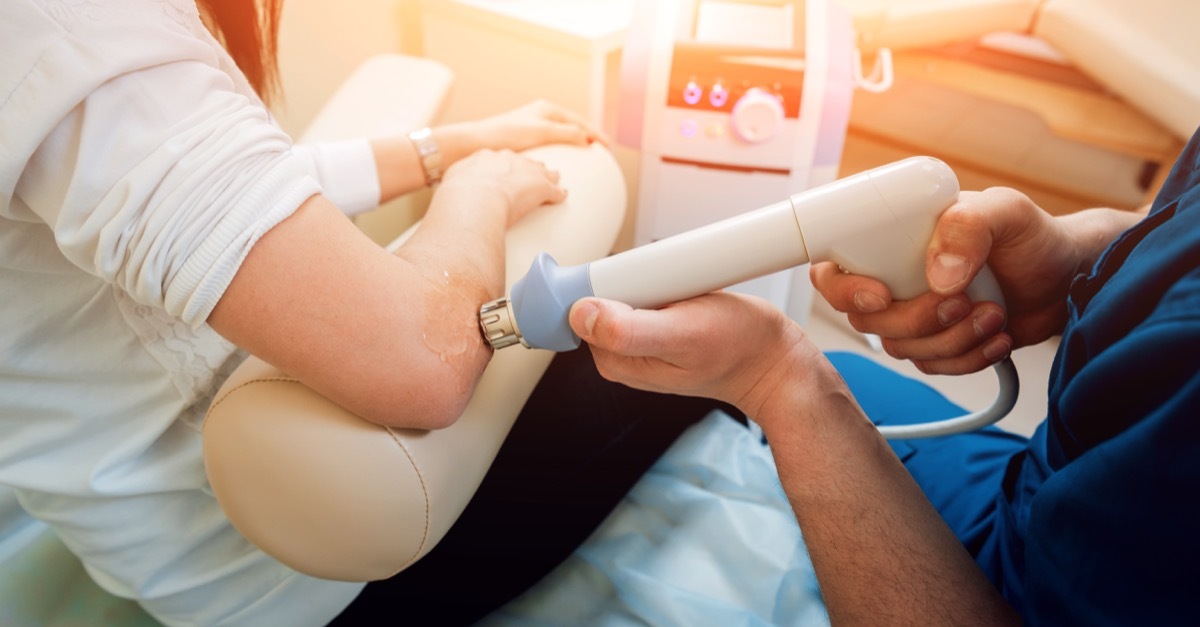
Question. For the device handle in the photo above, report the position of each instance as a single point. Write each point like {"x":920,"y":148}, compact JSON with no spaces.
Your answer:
{"x":985,"y":288}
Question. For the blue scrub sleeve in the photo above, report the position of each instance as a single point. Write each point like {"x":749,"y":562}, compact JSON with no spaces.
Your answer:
{"x":1112,"y":535}
{"x":962,"y":474}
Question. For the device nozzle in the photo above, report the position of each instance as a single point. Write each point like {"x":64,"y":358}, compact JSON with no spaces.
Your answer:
{"x":498,"y":324}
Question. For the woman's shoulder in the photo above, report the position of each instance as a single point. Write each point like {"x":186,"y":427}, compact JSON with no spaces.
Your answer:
{"x":72,"y":14}
{"x":58,"y":52}
{"x":100,"y":33}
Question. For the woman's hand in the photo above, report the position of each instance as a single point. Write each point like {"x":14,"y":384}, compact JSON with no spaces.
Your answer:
{"x":725,"y":346}
{"x":537,"y":123}
{"x":534,"y":124}
{"x":1033,"y":255}
{"x":525,"y":184}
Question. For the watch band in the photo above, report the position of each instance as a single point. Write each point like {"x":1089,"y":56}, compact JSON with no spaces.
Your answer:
{"x":431,"y":157}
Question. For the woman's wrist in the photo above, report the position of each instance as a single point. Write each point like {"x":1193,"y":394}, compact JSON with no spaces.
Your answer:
{"x":398,"y":158}
{"x":457,"y":141}
{"x":429,"y":155}
{"x":398,"y":166}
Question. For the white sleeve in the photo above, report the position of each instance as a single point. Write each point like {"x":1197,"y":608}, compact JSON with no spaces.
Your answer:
{"x":346,"y":171}
{"x":161,"y":180}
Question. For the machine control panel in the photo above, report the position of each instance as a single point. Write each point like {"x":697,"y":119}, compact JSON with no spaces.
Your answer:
{"x":727,"y":101}
{"x":715,"y":78}
{"x":757,"y":116}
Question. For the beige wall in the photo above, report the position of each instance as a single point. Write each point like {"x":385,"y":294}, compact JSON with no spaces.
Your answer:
{"x":320,"y":42}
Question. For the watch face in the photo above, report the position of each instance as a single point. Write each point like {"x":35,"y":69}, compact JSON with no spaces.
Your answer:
{"x":427,"y":150}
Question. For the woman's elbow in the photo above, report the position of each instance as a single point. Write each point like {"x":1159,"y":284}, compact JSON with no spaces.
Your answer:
{"x":434,"y":398}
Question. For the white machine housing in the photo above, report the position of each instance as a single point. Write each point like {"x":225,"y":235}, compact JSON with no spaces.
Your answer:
{"x":733,"y":105}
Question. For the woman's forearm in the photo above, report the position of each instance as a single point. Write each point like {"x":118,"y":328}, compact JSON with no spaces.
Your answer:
{"x":392,"y":338}
{"x":399,"y":166}
{"x":535,"y":124}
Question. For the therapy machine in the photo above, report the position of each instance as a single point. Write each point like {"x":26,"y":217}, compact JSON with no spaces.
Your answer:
{"x":734,"y":104}
{"x":877,"y":223}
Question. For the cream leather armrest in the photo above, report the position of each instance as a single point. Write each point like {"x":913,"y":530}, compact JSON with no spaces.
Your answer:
{"x":1146,"y":52}
{"x":902,"y":24}
{"x":338,"y":497}
{"x":386,"y":94}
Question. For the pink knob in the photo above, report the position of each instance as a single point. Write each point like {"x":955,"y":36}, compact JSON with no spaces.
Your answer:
{"x":757,"y":116}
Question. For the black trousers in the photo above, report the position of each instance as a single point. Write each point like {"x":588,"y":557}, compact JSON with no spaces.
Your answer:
{"x":578,"y":446}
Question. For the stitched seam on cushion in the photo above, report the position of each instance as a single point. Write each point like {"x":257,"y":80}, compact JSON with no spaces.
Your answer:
{"x":220,"y":399}
{"x":395,"y":438}
{"x":424,"y":492}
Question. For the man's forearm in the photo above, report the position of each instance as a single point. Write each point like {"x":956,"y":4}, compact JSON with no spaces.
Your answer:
{"x":882,"y":554}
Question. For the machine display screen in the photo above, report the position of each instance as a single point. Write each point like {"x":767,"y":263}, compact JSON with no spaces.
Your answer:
{"x":752,"y":24}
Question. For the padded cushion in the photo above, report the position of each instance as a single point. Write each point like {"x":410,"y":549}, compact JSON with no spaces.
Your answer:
{"x":337,"y":497}
{"x":1147,"y":52}
{"x":379,"y":98}
{"x":900,"y":24}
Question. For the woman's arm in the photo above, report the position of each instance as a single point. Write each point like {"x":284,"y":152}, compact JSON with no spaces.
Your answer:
{"x":534,"y":124}
{"x":358,"y":175}
{"x":393,"y":338}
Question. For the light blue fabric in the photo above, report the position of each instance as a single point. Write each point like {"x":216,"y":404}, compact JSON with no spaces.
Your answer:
{"x":44,"y":585}
{"x":706,"y":537}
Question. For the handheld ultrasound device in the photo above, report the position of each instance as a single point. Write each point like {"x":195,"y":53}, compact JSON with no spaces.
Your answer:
{"x":876,"y":223}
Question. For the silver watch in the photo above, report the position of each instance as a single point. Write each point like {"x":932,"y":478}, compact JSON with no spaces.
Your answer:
{"x":431,"y":157}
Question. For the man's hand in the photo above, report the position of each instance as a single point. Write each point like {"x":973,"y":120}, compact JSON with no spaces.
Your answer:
{"x":1033,"y":255}
{"x":725,"y":346}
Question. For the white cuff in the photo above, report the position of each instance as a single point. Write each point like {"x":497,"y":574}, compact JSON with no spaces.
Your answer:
{"x":346,"y":171}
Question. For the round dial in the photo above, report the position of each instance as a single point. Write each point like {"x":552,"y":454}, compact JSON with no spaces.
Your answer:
{"x":757,"y":116}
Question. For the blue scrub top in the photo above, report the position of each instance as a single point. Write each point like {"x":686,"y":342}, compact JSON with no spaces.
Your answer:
{"x":1095,"y":519}
{"x":1106,"y":499}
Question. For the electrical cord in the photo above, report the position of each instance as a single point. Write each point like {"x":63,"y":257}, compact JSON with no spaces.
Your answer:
{"x":1006,"y":398}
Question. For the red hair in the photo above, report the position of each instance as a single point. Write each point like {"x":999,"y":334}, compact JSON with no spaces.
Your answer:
{"x":249,"y":30}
